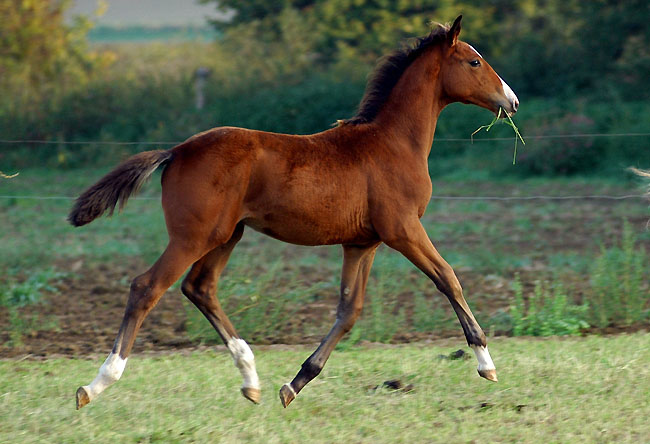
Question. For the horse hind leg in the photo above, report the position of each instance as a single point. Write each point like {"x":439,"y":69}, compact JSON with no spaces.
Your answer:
{"x":145,"y":293}
{"x":200,"y":287}
{"x":357,"y":262}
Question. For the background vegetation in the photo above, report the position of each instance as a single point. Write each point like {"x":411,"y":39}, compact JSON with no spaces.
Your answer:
{"x":529,"y":268}
{"x":297,"y":66}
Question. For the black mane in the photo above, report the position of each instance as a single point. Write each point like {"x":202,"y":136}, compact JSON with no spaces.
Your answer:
{"x":387,"y":73}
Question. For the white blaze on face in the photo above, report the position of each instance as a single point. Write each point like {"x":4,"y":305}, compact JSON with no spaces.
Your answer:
{"x":110,"y":371}
{"x":483,"y":358}
{"x":474,"y":49}
{"x":245,"y":362}
{"x":510,"y":94}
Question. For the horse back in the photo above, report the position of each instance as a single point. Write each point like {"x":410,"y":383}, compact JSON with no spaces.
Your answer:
{"x":309,"y":190}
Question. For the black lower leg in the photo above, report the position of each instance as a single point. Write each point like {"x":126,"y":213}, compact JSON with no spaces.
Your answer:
{"x":356,"y":267}
{"x":309,"y":370}
{"x":473,"y":332}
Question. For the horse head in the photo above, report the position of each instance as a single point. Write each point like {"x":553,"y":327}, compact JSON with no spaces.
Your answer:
{"x":466,"y":77}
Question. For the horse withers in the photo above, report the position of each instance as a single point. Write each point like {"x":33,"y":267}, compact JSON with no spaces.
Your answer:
{"x":359,"y":184}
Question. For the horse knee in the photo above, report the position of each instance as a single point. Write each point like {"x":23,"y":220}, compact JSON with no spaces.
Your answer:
{"x":139,"y":284}
{"x":140,"y":298}
{"x":349,"y":318}
{"x":454,"y":284}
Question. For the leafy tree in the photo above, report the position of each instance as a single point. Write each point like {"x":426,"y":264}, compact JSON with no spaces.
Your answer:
{"x":37,"y":48}
{"x":542,"y":46}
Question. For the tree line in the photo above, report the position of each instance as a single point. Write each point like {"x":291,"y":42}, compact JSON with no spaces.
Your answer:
{"x":545,"y":46}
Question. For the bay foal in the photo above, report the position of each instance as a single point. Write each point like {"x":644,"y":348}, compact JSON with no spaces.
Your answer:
{"x":360,"y":184}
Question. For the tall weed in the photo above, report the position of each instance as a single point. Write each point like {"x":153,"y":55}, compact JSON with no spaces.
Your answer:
{"x":429,"y":316}
{"x":30,"y":291}
{"x":15,"y":296}
{"x":259,"y":306}
{"x":384,"y":312}
{"x":547,"y":312}
{"x":619,"y":281}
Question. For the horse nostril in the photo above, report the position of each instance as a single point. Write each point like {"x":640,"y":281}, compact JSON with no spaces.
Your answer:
{"x":515,"y":105}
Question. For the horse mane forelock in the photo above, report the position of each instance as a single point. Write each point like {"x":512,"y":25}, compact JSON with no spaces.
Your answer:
{"x":388,"y":71}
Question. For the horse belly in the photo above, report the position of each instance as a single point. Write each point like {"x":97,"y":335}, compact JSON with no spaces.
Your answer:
{"x":322,"y":227}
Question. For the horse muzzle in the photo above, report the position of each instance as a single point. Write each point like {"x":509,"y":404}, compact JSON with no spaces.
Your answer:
{"x":508,"y":100}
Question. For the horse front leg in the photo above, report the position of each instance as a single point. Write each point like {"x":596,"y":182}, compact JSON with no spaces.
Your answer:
{"x":357,"y":262}
{"x":411,"y":239}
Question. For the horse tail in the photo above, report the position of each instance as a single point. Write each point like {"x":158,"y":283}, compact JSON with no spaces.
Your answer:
{"x":116,"y":186}
{"x":638,"y":172}
{"x":642,"y":173}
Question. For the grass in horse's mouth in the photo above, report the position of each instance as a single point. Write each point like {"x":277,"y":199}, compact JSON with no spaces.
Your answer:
{"x":508,"y":121}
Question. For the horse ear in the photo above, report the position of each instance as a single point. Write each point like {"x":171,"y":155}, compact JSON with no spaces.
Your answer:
{"x":452,"y":35}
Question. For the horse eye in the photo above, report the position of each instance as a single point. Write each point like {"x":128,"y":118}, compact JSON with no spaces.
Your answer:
{"x":475,"y":63}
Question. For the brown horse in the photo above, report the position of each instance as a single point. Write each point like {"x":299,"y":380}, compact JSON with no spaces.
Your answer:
{"x":360,"y":184}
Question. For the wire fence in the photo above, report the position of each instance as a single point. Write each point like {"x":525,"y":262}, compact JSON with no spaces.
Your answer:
{"x":439,"y":198}
{"x":437,"y":139}
{"x":442,"y":198}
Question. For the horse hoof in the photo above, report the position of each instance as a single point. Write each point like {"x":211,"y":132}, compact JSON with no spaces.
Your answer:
{"x":82,"y":397}
{"x":252,"y":394}
{"x":287,"y":395}
{"x":490,"y":375}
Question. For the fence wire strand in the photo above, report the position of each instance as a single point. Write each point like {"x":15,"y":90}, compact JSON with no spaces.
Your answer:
{"x":446,"y":198}
{"x":433,"y":198}
{"x":437,"y":139}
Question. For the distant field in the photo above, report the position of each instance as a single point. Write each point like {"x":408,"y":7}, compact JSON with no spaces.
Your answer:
{"x":586,"y":390}
{"x":148,"y":34}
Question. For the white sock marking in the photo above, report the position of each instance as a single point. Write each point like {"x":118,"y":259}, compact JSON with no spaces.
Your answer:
{"x":245,"y":362}
{"x":483,"y":358}
{"x":110,"y":371}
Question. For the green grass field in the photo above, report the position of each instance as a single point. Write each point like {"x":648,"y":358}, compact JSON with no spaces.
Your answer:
{"x":587,"y":390}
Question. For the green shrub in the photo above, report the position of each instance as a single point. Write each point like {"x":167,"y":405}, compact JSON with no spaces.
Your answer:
{"x":619,"y":281}
{"x":428,"y":316}
{"x":14,"y":296}
{"x":547,"y":312}
{"x":260,"y":297}
{"x":561,"y":155}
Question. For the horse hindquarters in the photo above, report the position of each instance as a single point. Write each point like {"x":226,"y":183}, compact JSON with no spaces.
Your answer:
{"x":197,"y":221}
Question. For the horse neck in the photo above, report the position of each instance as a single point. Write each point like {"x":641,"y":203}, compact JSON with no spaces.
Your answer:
{"x":412,"y":109}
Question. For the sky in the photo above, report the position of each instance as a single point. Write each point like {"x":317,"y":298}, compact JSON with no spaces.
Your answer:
{"x":146,"y":12}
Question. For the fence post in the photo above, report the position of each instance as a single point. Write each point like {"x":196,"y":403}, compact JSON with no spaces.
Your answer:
{"x":200,"y":77}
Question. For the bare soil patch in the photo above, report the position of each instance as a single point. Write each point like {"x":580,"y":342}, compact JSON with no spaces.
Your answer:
{"x":87,"y":311}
